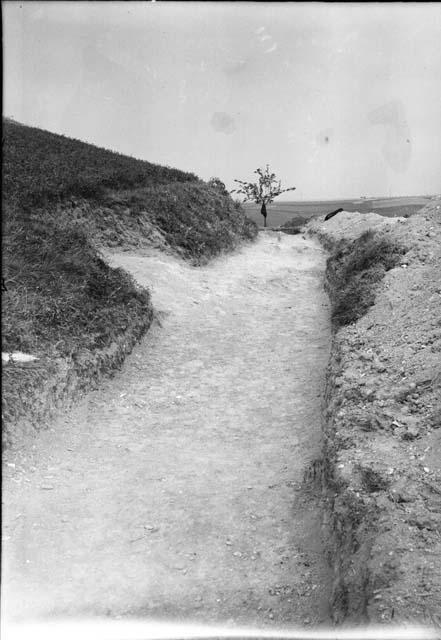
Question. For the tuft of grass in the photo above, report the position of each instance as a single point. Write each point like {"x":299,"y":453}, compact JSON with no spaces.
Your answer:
{"x":294,"y":226}
{"x":372,"y":481}
{"x":354,"y":270}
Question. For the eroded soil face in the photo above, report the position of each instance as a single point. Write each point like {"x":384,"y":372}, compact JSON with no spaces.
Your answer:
{"x":174,"y":491}
{"x":384,"y":428}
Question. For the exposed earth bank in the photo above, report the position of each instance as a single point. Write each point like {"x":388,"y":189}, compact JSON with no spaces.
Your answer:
{"x":382,"y":427}
{"x":175,"y":490}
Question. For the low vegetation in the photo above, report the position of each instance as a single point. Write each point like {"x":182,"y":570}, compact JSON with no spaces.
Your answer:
{"x":354,"y":270}
{"x":194,"y":219}
{"x":293,"y":226}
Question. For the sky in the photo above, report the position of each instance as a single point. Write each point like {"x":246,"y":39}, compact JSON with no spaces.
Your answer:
{"x":341,"y":100}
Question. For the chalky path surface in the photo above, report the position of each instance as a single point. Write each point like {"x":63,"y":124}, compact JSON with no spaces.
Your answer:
{"x":174,"y":491}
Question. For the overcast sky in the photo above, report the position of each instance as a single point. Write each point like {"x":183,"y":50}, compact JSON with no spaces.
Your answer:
{"x":341,"y":100}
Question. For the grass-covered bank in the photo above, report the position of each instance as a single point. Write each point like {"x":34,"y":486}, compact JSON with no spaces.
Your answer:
{"x":353,"y":272}
{"x":195,"y":220}
{"x":66,"y":306}
{"x":62,"y":200}
{"x":382,"y":447}
{"x":119,"y":201}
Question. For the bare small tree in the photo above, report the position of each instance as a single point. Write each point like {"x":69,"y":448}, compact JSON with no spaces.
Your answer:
{"x":263,"y":191}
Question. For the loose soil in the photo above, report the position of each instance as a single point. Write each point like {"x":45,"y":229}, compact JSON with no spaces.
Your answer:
{"x":175,"y":490}
{"x":383,"y":428}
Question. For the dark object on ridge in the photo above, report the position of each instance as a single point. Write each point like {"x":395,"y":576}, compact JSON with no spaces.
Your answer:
{"x":333,"y":213}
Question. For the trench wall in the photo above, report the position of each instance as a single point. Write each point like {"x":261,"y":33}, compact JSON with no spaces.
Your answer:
{"x":382,"y":427}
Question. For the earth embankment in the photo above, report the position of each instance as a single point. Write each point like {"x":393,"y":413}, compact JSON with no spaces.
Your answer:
{"x":382,"y":427}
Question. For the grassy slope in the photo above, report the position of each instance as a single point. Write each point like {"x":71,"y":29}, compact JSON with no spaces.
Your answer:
{"x":40,"y":167}
{"x":354,"y":270}
{"x":62,"y":199}
{"x":190,"y":218}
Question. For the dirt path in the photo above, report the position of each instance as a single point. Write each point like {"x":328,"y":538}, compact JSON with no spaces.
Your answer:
{"x":174,"y":490}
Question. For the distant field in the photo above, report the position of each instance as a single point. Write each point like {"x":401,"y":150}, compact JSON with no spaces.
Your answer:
{"x":279,"y":213}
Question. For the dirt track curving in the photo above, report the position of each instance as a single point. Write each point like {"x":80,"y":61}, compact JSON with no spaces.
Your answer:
{"x":174,"y":491}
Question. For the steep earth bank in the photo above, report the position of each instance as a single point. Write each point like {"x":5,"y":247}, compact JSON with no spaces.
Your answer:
{"x":382,"y":425}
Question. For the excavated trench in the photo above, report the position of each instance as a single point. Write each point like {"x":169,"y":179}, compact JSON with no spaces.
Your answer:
{"x":176,"y":490}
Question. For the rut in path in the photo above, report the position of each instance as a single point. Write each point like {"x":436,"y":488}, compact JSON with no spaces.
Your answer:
{"x":174,"y":491}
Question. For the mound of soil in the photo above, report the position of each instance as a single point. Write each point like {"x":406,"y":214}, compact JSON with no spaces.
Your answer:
{"x":383,"y":432}
{"x":348,"y":225}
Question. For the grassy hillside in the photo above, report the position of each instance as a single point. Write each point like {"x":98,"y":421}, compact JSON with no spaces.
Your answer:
{"x":63,"y":200}
{"x":118,"y":200}
{"x":40,"y":167}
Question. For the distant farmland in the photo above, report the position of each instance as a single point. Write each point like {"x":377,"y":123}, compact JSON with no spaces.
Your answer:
{"x":281,"y":212}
